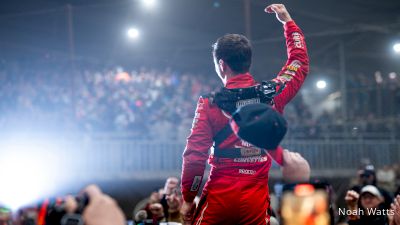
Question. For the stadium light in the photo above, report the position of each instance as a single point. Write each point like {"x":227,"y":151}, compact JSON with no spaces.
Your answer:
{"x":321,"y":84}
{"x":149,"y":3}
{"x":392,"y":75}
{"x":133,"y":33}
{"x":396,"y":48}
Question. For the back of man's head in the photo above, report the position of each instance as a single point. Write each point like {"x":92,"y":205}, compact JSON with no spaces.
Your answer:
{"x":235,"y":50}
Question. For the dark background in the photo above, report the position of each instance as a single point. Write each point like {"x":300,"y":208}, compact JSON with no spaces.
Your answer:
{"x":179,"y":33}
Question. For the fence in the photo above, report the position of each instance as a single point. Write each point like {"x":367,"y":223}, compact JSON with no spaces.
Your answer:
{"x":114,"y":158}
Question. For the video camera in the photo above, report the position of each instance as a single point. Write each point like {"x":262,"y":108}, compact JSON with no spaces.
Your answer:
{"x":53,"y":212}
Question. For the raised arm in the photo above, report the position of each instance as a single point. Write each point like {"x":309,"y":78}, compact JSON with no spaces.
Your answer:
{"x":296,"y":68}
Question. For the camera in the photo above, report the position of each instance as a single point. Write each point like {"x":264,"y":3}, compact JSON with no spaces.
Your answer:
{"x":53,"y":212}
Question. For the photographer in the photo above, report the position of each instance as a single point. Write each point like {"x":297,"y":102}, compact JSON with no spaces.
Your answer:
{"x":101,"y":210}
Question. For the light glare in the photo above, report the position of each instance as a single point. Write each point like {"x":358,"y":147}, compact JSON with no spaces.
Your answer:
{"x":396,"y":48}
{"x":27,"y":173}
{"x":321,"y":84}
{"x":133,"y":33}
{"x":149,"y":3}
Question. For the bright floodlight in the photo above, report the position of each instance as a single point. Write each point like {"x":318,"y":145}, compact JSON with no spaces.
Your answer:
{"x":321,"y":84}
{"x":133,"y":33}
{"x":396,"y":48}
{"x":27,"y":172}
{"x":149,"y":3}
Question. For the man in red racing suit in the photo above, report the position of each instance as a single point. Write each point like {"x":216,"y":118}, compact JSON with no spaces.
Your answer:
{"x":237,"y":188}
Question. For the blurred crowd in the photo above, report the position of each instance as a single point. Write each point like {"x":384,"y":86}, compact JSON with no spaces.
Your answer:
{"x":147,"y":103}
{"x":99,"y":101}
{"x":373,"y":111}
{"x":162,"y":205}
{"x":372,"y":197}
{"x":370,"y":189}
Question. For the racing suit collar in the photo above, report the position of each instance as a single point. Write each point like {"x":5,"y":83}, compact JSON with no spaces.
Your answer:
{"x":240,"y":81}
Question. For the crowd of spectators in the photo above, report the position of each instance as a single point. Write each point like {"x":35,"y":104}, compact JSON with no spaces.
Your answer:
{"x":109,"y":100}
{"x":373,"y":111}
{"x":162,"y":205}
{"x":374,"y":196}
{"x":147,"y":103}
{"x":371,"y":190}
{"x":376,"y":94}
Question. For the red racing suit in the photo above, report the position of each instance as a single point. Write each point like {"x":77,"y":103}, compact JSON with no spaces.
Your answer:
{"x":236,"y":191}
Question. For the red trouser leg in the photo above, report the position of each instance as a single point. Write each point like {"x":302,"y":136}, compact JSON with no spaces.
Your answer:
{"x":231,"y":201}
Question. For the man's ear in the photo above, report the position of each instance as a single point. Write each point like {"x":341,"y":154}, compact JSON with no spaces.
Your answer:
{"x":222,"y":65}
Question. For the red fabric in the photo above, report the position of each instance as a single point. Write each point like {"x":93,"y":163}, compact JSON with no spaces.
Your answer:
{"x":277,"y":155}
{"x":226,"y":173}
{"x":234,"y":127}
{"x":43,"y":212}
{"x":234,"y":201}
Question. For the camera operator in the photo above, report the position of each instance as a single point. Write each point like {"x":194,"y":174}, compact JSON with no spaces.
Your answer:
{"x":101,"y":210}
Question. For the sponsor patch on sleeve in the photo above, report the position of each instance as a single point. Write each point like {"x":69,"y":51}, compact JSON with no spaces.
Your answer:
{"x":196,"y":183}
{"x":298,"y":42}
{"x":285,"y":77}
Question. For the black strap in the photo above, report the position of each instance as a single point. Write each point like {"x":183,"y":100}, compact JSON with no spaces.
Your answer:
{"x":222,"y":135}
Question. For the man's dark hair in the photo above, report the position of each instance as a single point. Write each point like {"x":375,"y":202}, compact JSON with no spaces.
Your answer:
{"x":235,"y":50}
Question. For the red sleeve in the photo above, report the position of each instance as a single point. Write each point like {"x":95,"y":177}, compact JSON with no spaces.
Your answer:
{"x":296,"y":68}
{"x":195,"y":155}
{"x":277,"y":155}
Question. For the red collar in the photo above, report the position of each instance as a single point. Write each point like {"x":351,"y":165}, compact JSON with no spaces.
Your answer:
{"x":241,"y":81}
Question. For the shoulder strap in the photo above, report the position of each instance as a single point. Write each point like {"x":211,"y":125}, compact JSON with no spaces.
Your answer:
{"x":223,"y":134}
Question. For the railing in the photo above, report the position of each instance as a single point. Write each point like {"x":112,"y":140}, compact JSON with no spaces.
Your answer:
{"x":339,"y":155}
{"x":115,"y":158}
